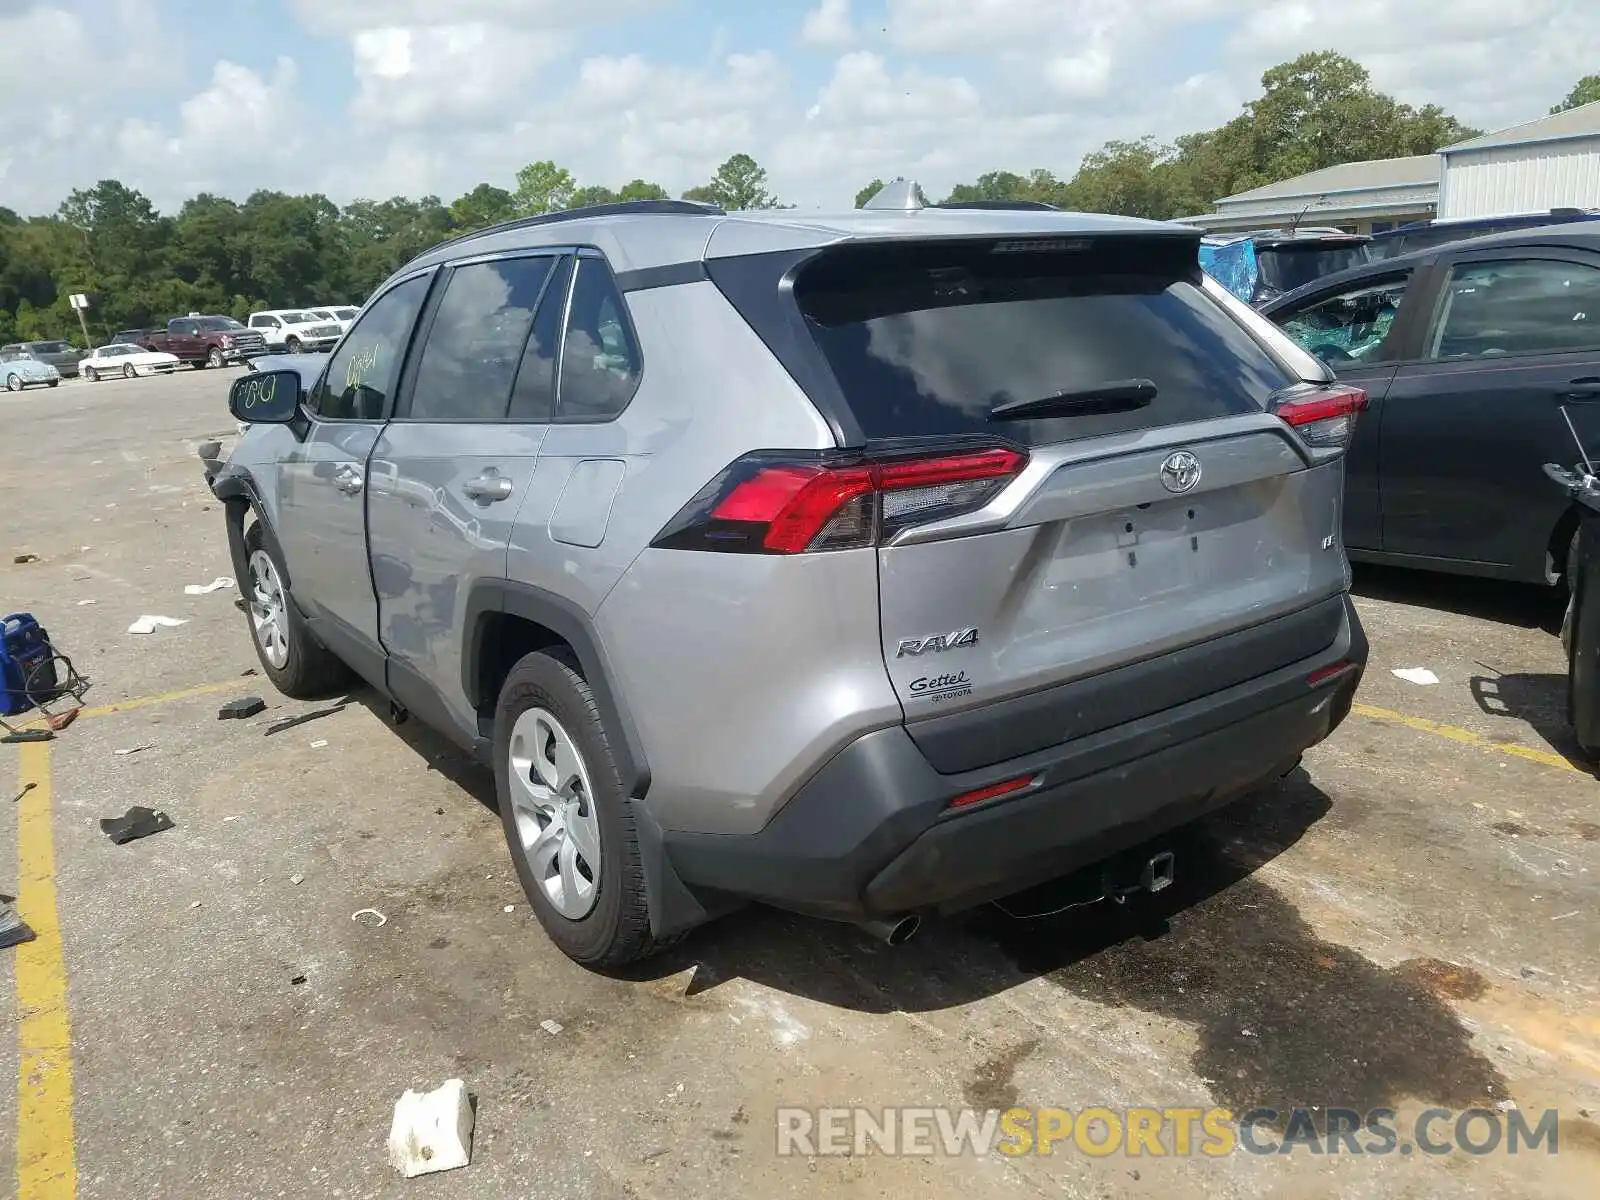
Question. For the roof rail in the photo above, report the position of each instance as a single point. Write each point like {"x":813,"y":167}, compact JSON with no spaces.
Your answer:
{"x":622,"y":208}
{"x":1001,"y":205}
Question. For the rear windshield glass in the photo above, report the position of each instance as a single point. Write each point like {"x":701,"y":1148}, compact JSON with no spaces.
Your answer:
{"x":1284,"y":268}
{"x":47,"y":347}
{"x":926,"y":340}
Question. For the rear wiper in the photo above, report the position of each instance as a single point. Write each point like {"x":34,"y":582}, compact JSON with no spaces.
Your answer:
{"x":1112,"y":396}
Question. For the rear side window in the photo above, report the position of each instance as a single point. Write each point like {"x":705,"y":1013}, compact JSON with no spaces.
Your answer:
{"x":599,"y":357}
{"x":927,"y":339}
{"x":1284,"y":268}
{"x":476,"y":340}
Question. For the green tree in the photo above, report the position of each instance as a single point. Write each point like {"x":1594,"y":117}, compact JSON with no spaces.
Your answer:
{"x":740,"y":183}
{"x":868,"y":192}
{"x":1585,"y":91}
{"x":590,"y":194}
{"x":484,"y":205}
{"x":544,"y":187}
{"x":639,"y":189}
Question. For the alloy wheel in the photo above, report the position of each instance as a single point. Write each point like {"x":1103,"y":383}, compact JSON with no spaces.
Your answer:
{"x":553,"y":805}
{"x":269,"y":617}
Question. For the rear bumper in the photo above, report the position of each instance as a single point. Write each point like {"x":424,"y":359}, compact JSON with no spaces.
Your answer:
{"x":871,"y":833}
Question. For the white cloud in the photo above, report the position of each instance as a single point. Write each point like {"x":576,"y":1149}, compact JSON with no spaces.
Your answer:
{"x":829,"y":25}
{"x":445,"y":74}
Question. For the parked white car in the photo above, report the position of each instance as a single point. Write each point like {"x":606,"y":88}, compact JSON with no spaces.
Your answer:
{"x":340,"y":314}
{"x":295,"y":330}
{"x":127,"y":360}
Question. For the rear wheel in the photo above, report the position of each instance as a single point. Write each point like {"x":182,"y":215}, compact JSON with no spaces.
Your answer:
{"x":214,"y":359}
{"x":298,"y":665}
{"x":55,"y":383}
{"x":567,"y":821}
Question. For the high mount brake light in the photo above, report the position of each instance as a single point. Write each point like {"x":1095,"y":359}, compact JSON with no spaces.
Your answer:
{"x":794,"y":504}
{"x":1324,"y":416}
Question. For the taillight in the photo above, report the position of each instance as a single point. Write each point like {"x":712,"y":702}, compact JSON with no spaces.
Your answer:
{"x":1325,"y":416}
{"x":769,"y":503}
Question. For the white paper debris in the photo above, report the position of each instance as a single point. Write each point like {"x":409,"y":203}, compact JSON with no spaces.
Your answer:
{"x":297,"y":880}
{"x":205,"y":589}
{"x":319,"y":743}
{"x":551,"y":1027}
{"x":81,"y":603}
{"x":432,"y":1131}
{"x":1416,"y":675}
{"x":149,"y":624}
{"x":194,"y":904}
{"x":510,"y":908}
{"x":370,"y":917}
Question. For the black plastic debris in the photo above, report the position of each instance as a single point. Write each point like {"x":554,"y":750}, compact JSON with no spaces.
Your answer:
{"x":296,"y":980}
{"x":13,"y":929}
{"x":314,"y":715}
{"x":28,"y":735}
{"x":137,"y":822}
{"x":238,"y":710}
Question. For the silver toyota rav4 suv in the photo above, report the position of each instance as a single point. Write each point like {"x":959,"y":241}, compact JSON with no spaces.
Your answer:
{"x":870,"y":566}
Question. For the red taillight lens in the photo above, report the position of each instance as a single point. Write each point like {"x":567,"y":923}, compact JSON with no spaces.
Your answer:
{"x":1323,"y":416}
{"x":767,"y":504}
{"x":994,"y":790}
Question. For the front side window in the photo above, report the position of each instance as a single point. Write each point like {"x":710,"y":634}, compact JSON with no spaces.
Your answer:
{"x":1349,"y":327}
{"x":361,"y":375}
{"x":476,"y":340}
{"x":600,"y":364}
{"x":1517,"y":306}
{"x":184,"y":327}
{"x":217,"y":324}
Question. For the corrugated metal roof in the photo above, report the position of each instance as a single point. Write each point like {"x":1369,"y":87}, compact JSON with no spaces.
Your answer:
{"x":1416,"y":170}
{"x":1574,"y":122}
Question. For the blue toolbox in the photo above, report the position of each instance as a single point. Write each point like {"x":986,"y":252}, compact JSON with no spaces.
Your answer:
{"x":33,"y":674}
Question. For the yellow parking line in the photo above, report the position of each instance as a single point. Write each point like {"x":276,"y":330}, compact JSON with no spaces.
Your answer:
{"x":105,"y":710}
{"x":46,"y":1154}
{"x":1464,"y":736}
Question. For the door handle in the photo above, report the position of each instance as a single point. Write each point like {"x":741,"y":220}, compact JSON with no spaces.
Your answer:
{"x":488,"y":487}
{"x":349,"y":480}
{"x":1586,"y":387}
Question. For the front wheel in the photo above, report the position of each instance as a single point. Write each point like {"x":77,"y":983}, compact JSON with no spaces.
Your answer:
{"x":88,"y":373}
{"x":55,"y":383}
{"x":292,"y":345}
{"x":299,"y":666}
{"x":567,"y":821}
{"x":13,"y":383}
{"x":127,"y":371}
{"x":214,"y":359}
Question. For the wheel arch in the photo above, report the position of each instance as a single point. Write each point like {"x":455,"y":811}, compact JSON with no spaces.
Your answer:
{"x":505,"y":620}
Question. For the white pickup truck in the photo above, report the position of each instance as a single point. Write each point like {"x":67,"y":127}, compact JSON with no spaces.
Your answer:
{"x":295,"y":330}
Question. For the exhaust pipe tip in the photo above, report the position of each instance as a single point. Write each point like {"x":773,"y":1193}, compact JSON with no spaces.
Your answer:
{"x":895,"y":931}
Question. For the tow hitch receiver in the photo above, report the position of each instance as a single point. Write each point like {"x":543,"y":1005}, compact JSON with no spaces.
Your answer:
{"x":1155,"y":875}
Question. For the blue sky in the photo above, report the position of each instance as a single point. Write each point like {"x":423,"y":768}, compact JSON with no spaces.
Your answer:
{"x":379,"y":97}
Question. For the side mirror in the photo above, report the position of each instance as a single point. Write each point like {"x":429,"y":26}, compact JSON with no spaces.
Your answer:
{"x":267,"y":398}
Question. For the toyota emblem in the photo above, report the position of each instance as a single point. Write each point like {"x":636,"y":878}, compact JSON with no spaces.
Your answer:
{"x":1180,"y":472}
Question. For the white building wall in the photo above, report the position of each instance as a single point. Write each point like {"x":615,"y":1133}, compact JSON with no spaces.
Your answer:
{"x":1516,"y":179}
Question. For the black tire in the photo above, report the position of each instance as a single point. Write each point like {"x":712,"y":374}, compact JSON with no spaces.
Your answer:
{"x":55,"y":383}
{"x":292,"y":345}
{"x":616,"y":931}
{"x":14,"y":383}
{"x":88,"y":373}
{"x":311,"y":671}
{"x":214,"y":359}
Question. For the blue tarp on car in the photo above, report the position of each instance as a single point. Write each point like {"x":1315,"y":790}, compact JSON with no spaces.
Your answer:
{"x":1232,"y":263}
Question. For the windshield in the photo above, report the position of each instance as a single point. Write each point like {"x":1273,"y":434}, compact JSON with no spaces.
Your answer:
{"x":1284,"y":268}
{"x":212,"y":324}
{"x":47,"y":347}
{"x":345,"y":314}
{"x":298,"y":318}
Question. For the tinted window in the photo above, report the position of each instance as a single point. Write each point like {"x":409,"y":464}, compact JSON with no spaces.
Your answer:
{"x":926,"y":340}
{"x":534,"y":398}
{"x":217,"y":324}
{"x":1284,"y":268}
{"x":183,"y":327}
{"x":1517,"y":306}
{"x":47,"y":347}
{"x":599,"y":358}
{"x":1350,"y":326}
{"x":361,"y":374}
{"x":476,"y":340}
